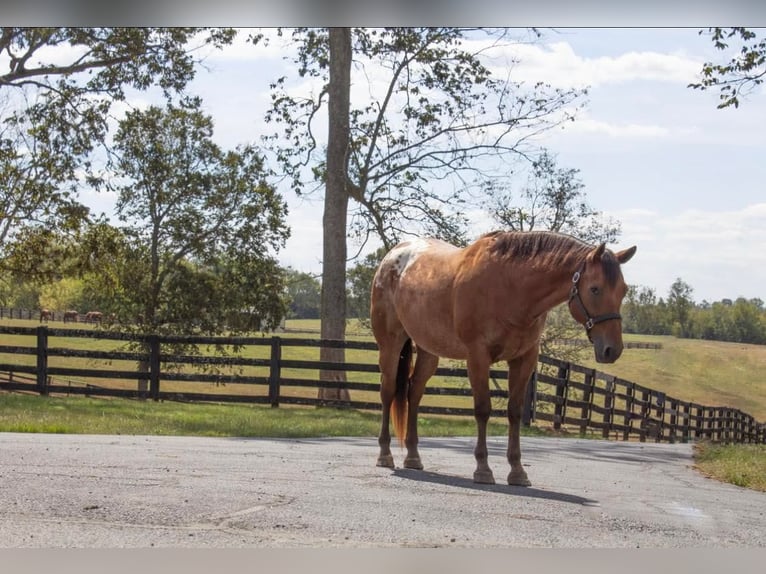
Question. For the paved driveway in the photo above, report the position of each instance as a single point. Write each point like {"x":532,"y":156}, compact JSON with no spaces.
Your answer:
{"x":136,"y":491}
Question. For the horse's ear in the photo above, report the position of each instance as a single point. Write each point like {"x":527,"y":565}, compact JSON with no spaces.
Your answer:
{"x":596,"y":254}
{"x":625,"y":255}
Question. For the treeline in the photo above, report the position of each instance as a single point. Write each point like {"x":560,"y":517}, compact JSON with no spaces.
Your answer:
{"x":741,"y":320}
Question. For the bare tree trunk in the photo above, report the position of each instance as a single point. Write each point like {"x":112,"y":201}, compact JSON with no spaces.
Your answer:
{"x":333,"y":304}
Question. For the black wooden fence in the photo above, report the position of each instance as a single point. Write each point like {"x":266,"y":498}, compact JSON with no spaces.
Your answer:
{"x":274,"y":370}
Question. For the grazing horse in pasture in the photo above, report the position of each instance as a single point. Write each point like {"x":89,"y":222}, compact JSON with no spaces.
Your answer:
{"x":45,"y":315}
{"x":93,"y":317}
{"x":484,"y":303}
{"x":71,"y":315}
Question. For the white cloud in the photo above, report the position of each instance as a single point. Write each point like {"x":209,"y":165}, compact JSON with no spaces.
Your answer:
{"x":719,"y":253}
{"x":586,"y":124}
{"x":557,"y":63}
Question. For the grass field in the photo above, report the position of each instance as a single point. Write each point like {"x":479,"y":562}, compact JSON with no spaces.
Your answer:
{"x":711,"y":373}
{"x":80,"y":415}
{"x":742,"y":464}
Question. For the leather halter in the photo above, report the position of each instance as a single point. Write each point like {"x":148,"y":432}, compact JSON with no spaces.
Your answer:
{"x":574,"y":293}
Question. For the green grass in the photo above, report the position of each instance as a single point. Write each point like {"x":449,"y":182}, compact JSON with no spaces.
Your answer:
{"x":743,"y":465}
{"x":81,"y":415}
{"x":710,"y":373}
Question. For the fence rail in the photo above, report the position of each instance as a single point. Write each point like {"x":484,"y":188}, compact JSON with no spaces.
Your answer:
{"x":274,"y":370}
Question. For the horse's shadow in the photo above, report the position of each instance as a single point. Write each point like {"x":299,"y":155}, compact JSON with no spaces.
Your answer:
{"x":462,"y":482}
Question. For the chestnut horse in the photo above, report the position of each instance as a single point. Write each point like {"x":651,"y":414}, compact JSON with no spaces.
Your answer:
{"x":484,"y":303}
{"x":71,"y":315}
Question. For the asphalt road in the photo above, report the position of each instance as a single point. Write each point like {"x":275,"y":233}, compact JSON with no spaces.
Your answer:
{"x":137,"y":492}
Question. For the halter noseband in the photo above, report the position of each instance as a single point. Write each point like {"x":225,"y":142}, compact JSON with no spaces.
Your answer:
{"x":574,"y":293}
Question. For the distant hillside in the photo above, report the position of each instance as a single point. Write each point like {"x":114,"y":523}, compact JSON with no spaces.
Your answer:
{"x":711,"y":373}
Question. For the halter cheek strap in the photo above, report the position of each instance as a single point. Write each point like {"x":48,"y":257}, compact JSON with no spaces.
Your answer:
{"x":574,"y":294}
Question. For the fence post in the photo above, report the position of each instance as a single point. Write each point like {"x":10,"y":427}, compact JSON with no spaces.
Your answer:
{"x":42,"y":360}
{"x":530,"y":402}
{"x":608,"y":406}
{"x":646,"y":413}
{"x":630,"y":391}
{"x":587,"y":399}
{"x":719,"y":424}
{"x":274,"y":371}
{"x":673,"y":428}
{"x":698,"y":429}
{"x":661,"y":401}
{"x":154,"y":367}
{"x":559,"y":409}
{"x":686,"y":423}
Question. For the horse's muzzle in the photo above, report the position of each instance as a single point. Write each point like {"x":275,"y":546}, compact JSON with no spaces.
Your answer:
{"x":607,"y":353}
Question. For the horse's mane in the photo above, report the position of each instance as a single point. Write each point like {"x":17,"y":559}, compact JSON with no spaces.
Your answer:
{"x":549,"y":248}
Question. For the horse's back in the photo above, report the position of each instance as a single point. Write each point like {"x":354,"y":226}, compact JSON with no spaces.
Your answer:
{"x":412,"y":288}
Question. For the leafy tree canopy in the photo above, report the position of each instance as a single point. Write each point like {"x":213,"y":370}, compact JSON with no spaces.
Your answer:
{"x":744,"y":71}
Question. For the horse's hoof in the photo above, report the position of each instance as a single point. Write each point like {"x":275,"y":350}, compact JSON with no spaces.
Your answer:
{"x":483,"y":477}
{"x":386,"y":460}
{"x":518,"y":479}
{"x":413,"y":462}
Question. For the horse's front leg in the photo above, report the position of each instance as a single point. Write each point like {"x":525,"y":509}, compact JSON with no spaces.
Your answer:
{"x":519,"y":372}
{"x":478,"y":374}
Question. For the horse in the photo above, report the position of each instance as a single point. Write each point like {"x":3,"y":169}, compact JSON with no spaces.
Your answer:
{"x":45,"y":315}
{"x":484,"y":303}
{"x":93,"y":317}
{"x":71,"y":315}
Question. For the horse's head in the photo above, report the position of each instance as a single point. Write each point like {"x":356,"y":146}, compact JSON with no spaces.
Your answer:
{"x":595,"y":298}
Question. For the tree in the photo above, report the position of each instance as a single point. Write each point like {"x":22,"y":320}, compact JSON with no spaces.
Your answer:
{"x":680,"y":304}
{"x":57,"y":93}
{"x":436,"y":122}
{"x":742,"y":73}
{"x":303,"y":293}
{"x":553,"y":199}
{"x":360,"y":285}
{"x":201,"y":227}
{"x":334,"y":252}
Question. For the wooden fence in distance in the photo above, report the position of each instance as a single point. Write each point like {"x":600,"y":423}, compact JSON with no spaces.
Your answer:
{"x":562,"y":393}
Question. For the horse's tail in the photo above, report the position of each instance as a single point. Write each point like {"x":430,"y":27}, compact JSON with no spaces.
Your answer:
{"x":399,"y":404}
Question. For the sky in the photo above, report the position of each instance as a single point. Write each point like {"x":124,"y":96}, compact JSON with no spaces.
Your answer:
{"x":684,"y":179}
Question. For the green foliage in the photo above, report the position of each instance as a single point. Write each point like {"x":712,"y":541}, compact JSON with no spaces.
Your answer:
{"x":740,"y":321}
{"x":360,"y":285}
{"x":680,"y":304}
{"x":742,"y":73}
{"x":62,"y":295}
{"x":201,"y":228}
{"x":57,"y":93}
{"x":304,"y":292}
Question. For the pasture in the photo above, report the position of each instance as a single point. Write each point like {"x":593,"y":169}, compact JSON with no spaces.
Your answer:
{"x":707,"y":372}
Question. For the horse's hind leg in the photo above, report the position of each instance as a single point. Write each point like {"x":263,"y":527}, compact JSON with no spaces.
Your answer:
{"x":425,"y":366}
{"x":388,"y":360}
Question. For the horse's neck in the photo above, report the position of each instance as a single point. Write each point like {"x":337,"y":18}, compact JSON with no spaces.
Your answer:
{"x":554,"y":287}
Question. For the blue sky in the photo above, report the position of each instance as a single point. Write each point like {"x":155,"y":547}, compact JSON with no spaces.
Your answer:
{"x":685,"y":179}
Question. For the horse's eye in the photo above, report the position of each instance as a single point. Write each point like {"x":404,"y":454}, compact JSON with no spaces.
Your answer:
{"x":595,"y":290}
